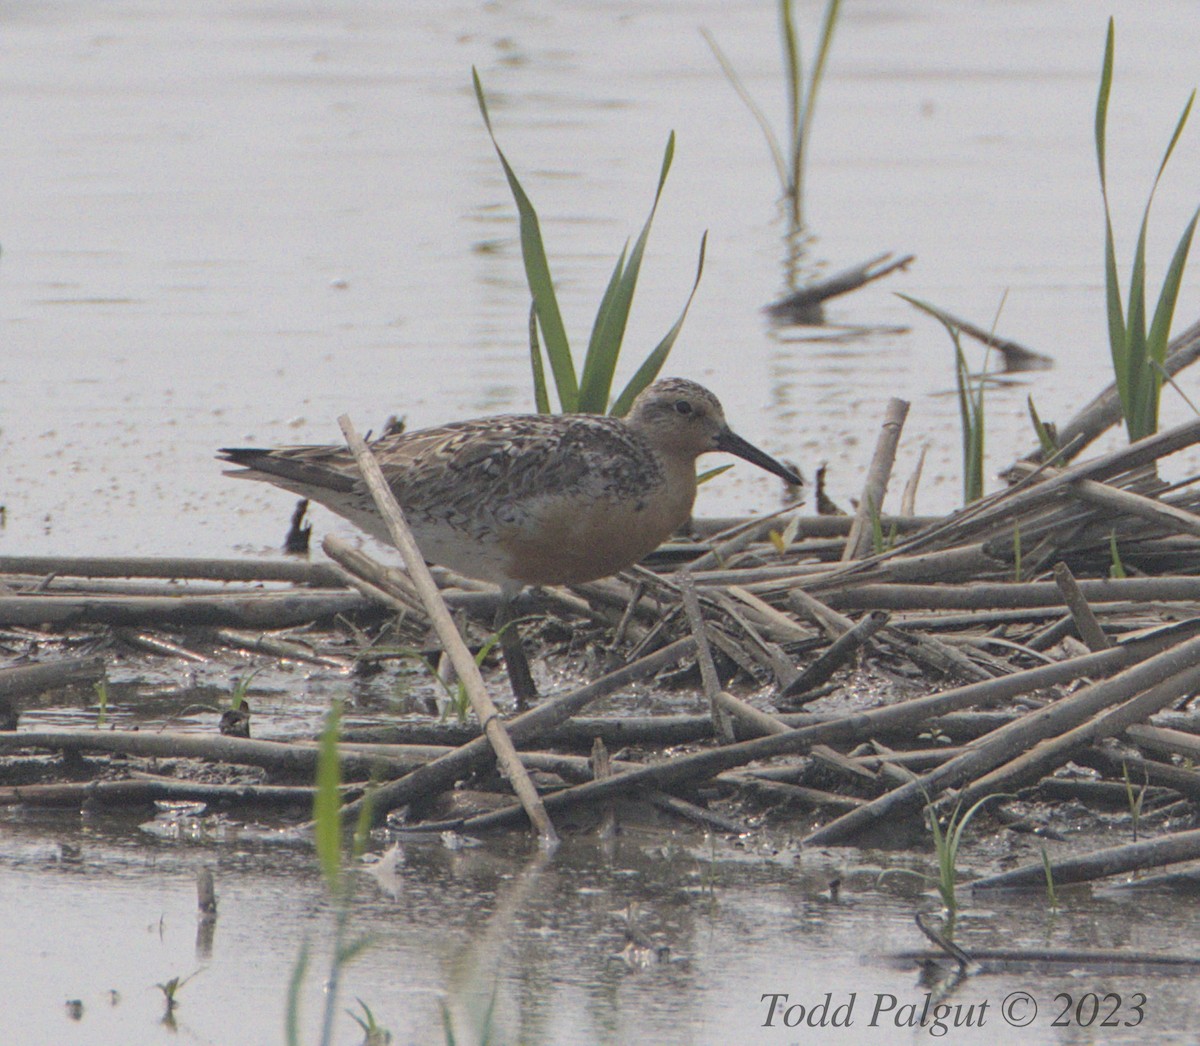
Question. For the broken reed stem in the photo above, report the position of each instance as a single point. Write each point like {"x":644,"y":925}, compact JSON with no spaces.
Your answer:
{"x":722,"y":728}
{"x":1085,"y":621}
{"x":17,"y":680}
{"x":1104,"y":410}
{"x":1128,"y":503}
{"x":1025,"y":595}
{"x":842,"y":650}
{"x":858,"y":543}
{"x":460,"y":656}
{"x":759,"y":721}
{"x":384,"y":584}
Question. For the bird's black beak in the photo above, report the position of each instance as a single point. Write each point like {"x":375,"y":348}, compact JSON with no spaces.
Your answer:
{"x":732,"y":443}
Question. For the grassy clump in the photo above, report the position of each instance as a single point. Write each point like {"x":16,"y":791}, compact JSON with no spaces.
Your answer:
{"x":1138,"y":353}
{"x":586,"y":389}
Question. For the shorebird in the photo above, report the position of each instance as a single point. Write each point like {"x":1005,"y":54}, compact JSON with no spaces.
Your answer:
{"x":528,"y":499}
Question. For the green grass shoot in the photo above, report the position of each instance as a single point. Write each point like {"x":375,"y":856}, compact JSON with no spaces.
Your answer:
{"x":946,"y":842}
{"x":240,"y":689}
{"x":327,"y":831}
{"x":1136,"y":349}
{"x":880,"y":542}
{"x":295,"y":986}
{"x":1045,"y":435}
{"x":589,"y":388}
{"x":1116,"y":568}
{"x":801,"y":101}
{"x":373,"y":1034}
{"x":1136,"y":798}
{"x":970,"y":407}
{"x":328,"y":801}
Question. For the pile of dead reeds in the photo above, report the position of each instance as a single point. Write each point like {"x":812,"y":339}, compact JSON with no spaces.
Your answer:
{"x":1042,"y":658}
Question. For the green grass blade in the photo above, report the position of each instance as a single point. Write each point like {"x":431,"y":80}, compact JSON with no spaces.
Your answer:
{"x":1160,"y":329}
{"x":1102,"y":105}
{"x":609,"y":329}
{"x":1045,"y":440}
{"x":537,"y":273}
{"x":1183,"y":118}
{"x":541,"y":395}
{"x":824,"y":44}
{"x":1116,"y":567}
{"x":295,"y":983}
{"x":1112,"y":287}
{"x":327,"y":801}
{"x":653,"y":363}
{"x":794,"y":72}
{"x":1116,"y":314}
{"x":1140,"y":421}
{"x":601,"y":335}
{"x":755,"y":110}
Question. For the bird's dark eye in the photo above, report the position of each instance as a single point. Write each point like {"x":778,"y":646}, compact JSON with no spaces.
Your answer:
{"x":683,"y":407}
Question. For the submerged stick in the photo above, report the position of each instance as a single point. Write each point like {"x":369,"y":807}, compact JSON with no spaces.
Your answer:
{"x":464,"y":664}
{"x":1170,"y":849}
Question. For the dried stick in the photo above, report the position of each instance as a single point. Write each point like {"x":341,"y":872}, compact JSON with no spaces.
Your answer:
{"x":464,"y":664}
{"x":240,"y":610}
{"x":1003,"y":744}
{"x":257,"y":642}
{"x":1169,"y":517}
{"x":175,"y":568}
{"x":1024,"y":595}
{"x":701,"y":765}
{"x":839,"y":652}
{"x":147,"y":788}
{"x":1081,"y":613}
{"x":445,"y":770}
{"x":1179,"y":846}
{"x":17,"y":680}
{"x":722,"y":728}
{"x":357,"y":566}
{"x":1105,"y":410}
{"x":859,"y":539}
{"x":1057,"y":748}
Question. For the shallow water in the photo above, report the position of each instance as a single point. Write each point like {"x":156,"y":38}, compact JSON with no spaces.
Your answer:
{"x":94,"y":906}
{"x":229,"y":223}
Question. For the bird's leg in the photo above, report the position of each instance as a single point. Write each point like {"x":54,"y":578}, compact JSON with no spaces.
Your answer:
{"x":515,"y":660}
